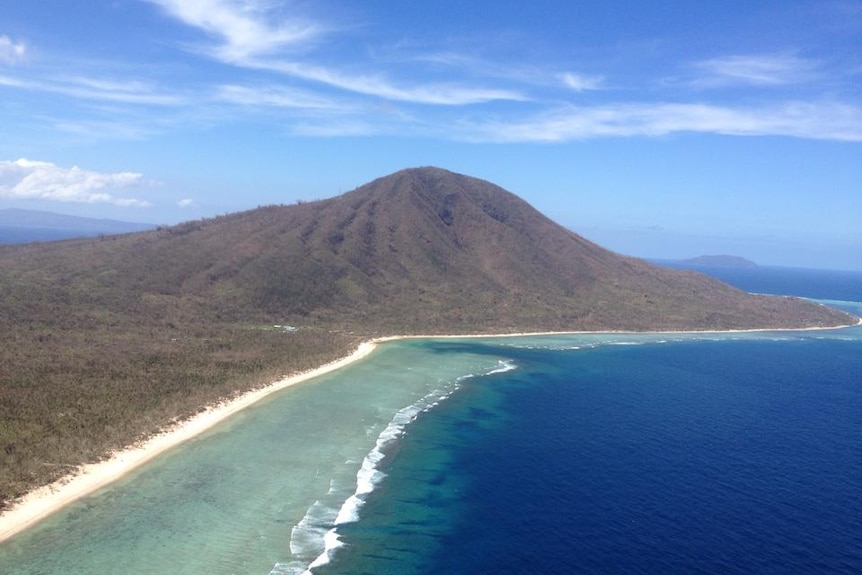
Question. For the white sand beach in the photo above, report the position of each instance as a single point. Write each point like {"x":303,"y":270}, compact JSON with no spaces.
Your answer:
{"x":88,"y":478}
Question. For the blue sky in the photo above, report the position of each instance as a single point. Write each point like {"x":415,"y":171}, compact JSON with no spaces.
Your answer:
{"x":657,"y":129}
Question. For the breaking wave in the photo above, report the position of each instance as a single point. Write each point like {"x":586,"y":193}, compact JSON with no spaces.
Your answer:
{"x":316,"y":535}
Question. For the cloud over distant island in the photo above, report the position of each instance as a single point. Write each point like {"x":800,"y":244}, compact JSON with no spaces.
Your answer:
{"x":28,"y":179}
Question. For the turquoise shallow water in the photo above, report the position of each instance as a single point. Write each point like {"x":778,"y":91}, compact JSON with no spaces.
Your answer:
{"x":254,"y":495}
{"x":588,"y":453}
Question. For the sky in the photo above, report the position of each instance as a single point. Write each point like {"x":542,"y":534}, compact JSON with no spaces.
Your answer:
{"x":664,"y":129}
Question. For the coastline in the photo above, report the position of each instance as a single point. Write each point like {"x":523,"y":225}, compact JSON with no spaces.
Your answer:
{"x":46,"y":500}
{"x":596,"y":332}
{"x":88,"y":478}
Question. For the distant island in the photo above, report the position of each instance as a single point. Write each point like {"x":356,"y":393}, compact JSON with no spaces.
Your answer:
{"x":719,"y":261}
{"x":23,"y":226}
{"x":107,"y":340}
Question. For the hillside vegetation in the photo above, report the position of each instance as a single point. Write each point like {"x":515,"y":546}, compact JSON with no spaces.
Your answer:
{"x":103,"y":341}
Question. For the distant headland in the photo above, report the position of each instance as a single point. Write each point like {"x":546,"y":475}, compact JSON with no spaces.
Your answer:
{"x":719,"y":261}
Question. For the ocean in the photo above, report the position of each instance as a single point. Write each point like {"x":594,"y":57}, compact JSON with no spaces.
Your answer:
{"x":592,"y":453}
{"x":838,"y":285}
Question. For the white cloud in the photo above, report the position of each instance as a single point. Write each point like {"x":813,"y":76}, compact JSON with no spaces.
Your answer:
{"x":122,"y":128}
{"x":128,"y":92}
{"x":445,"y":94}
{"x":756,"y":70}
{"x":826,"y":121}
{"x":276,"y":96}
{"x":10,"y":52}
{"x":247,"y":28}
{"x":251,"y":34}
{"x":185,"y":202}
{"x":580,"y":82}
{"x":27,"y":179}
{"x":471,"y":66}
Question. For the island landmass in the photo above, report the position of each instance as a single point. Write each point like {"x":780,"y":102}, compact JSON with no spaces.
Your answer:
{"x":106,"y":341}
{"x":721,"y":261}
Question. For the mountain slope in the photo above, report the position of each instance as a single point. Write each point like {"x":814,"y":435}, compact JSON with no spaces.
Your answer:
{"x":423,"y":250}
{"x":455,"y":250}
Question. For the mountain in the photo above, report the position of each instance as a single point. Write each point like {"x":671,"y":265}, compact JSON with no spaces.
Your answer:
{"x":22,"y":226}
{"x":105,"y":340}
{"x":422,"y":250}
{"x":722,"y":261}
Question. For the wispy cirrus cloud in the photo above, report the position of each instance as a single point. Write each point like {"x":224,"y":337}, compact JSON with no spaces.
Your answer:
{"x":276,"y":96}
{"x":253,"y":34}
{"x":104,"y":128}
{"x":127,"y":92}
{"x":580,"y":82}
{"x":755,"y":70}
{"x":11,"y":52}
{"x":822,"y":121}
{"x":444,"y":94}
{"x":245,"y":28}
{"x":519,"y":74}
{"x":293,"y":70}
{"x":28,"y":179}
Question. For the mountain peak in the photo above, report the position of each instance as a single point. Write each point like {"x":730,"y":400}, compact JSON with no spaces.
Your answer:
{"x":423,"y":250}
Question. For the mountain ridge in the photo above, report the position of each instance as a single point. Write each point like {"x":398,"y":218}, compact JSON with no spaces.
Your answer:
{"x":420,"y":248}
{"x":426,"y":228}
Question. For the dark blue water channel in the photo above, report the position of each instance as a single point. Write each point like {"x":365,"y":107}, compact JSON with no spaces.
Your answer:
{"x":685,"y":457}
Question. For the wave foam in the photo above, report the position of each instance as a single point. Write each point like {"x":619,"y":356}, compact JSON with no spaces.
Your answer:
{"x":306,"y":537}
{"x":311,"y":533}
{"x":504,"y":366}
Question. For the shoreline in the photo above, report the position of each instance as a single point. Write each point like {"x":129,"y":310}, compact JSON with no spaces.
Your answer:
{"x":44,"y":501}
{"x":386,"y":338}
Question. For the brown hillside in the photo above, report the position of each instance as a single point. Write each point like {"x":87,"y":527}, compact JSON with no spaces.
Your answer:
{"x":422,"y":250}
{"x":446,"y":250}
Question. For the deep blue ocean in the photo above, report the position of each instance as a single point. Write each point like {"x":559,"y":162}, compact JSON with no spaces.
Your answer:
{"x":683,"y":457}
{"x":842,"y":285}
{"x":714,"y":456}
{"x":704,"y":453}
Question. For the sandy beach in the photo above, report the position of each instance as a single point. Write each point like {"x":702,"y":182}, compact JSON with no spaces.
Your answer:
{"x":46,"y":500}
